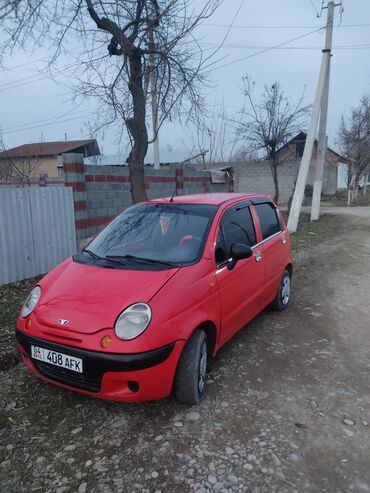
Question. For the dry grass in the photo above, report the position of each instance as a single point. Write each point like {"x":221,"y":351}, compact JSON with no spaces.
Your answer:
{"x":12,"y":297}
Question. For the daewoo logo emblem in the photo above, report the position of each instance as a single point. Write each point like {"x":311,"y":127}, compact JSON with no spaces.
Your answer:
{"x":61,"y":321}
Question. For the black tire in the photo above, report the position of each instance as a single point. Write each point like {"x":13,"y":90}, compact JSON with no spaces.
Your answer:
{"x":282,"y":297}
{"x":191,"y":370}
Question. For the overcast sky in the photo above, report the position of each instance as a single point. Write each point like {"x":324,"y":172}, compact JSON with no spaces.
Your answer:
{"x":34,"y":108}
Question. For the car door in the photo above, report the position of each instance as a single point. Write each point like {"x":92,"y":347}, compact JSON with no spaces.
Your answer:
{"x":240,"y":287}
{"x":272,"y":247}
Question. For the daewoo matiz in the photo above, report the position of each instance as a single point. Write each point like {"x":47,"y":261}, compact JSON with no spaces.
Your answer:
{"x":154,"y":296}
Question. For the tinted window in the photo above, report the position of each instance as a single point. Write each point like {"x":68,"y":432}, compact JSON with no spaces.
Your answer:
{"x":168,"y":232}
{"x":269,"y":220}
{"x":236,"y":227}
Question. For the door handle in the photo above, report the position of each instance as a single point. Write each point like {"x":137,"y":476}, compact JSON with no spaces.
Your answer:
{"x":258,"y":256}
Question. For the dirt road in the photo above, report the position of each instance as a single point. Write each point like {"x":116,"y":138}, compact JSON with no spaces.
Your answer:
{"x":287,"y":407}
{"x":360,"y":212}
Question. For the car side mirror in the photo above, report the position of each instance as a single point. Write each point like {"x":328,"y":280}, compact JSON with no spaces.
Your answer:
{"x":239,"y":251}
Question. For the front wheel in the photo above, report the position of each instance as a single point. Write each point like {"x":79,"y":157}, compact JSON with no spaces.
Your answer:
{"x":191,"y":370}
{"x":282,"y":298}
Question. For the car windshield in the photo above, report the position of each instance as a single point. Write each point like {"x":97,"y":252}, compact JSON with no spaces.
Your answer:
{"x":171,"y":234}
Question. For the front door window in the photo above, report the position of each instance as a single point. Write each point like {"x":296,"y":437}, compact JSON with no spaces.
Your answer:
{"x":236,"y":226}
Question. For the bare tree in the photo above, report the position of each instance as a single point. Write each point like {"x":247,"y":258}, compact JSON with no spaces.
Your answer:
{"x":17,"y":168}
{"x":141,"y":36}
{"x":215,"y":137}
{"x":354,"y":142}
{"x":25,"y":168}
{"x":6,"y":167}
{"x":269,"y":125}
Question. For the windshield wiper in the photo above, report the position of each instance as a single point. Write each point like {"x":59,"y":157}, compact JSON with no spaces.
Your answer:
{"x":141,"y":260}
{"x":92,"y":254}
{"x":97,"y":257}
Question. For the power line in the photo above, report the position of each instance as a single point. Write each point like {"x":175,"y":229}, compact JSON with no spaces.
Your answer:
{"x":265,"y":50}
{"x":47,"y":59}
{"x":31,"y":62}
{"x":259,"y":47}
{"x":281,"y":27}
{"x":45,"y":120}
{"x":30,"y":79}
{"x":55,"y":122}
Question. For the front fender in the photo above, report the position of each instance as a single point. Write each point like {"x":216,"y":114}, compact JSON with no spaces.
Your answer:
{"x":185,"y":302}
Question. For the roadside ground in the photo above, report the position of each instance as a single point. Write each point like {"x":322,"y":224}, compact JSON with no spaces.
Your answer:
{"x":340,"y":200}
{"x":287,"y":406}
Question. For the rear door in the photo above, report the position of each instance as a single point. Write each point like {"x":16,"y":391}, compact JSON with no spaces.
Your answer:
{"x":239,"y":288}
{"x":272,"y":247}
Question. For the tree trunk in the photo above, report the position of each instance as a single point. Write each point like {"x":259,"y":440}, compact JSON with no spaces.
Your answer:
{"x":274,"y":171}
{"x":137,"y":128}
{"x":356,"y":187}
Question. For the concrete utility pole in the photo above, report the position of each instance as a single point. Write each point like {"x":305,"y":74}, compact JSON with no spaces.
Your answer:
{"x":323,"y":140}
{"x":154,"y":97}
{"x":310,"y":139}
{"x":367,"y":176}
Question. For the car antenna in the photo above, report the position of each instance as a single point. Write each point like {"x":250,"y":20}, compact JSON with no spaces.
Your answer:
{"x":172,"y":196}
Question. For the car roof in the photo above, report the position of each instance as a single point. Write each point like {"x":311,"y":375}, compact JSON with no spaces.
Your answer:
{"x":209,"y":198}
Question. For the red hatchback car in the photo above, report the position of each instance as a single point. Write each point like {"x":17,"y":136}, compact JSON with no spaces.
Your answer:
{"x":154,"y":296}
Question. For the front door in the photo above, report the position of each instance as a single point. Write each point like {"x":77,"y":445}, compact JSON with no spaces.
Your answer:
{"x":240,"y":288}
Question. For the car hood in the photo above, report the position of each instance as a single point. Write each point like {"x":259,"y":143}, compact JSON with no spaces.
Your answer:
{"x":90,"y":298}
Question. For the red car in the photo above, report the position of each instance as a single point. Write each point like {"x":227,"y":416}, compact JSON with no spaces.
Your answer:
{"x":154,"y":296}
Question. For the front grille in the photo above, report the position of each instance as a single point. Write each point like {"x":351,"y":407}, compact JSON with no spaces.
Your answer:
{"x":68,"y":377}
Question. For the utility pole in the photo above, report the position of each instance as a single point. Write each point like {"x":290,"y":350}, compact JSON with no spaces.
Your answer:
{"x":310,"y":139}
{"x":367,"y":176}
{"x":323,"y":140}
{"x":154,"y":98}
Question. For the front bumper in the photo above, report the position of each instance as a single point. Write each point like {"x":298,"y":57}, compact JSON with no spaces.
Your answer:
{"x":122,"y":377}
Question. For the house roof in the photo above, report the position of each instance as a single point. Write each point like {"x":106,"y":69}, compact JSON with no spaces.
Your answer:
{"x":301,"y":137}
{"x":86,"y":147}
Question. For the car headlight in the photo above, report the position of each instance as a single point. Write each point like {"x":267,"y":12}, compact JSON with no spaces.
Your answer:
{"x":31,"y":301}
{"x":133,"y":321}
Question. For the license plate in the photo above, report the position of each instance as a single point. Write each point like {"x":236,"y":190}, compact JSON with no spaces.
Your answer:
{"x":57,"y":359}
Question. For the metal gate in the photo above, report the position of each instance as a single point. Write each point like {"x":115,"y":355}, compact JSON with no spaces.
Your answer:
{"x":37,"y":230}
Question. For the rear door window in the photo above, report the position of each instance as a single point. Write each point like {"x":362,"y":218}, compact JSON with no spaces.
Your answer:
{"x":268,"y":218}
{"x":236,"y":226}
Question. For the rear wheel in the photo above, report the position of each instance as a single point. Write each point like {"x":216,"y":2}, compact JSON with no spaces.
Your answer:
{"x":282,"y":298}
{"x":191,"y":370}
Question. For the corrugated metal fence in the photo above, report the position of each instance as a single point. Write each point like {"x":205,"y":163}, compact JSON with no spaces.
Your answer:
{"x":37,"y":230}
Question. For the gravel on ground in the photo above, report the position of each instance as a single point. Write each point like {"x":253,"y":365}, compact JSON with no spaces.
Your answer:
{"x":287,"y":407}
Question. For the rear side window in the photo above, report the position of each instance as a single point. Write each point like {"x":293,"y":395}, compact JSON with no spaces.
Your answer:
{"x":236,"y":227}
{"x":269,"y":220}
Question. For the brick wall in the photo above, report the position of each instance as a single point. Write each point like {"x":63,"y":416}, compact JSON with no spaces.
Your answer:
{"x":101,"y":192}
{"x":256,"y":177}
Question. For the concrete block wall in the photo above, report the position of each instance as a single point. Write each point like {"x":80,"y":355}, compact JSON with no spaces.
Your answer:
{"x":102,"y":192}
{"x":42,"y":181}
{"x":107,"y":192}
{"x":256,"y":177}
